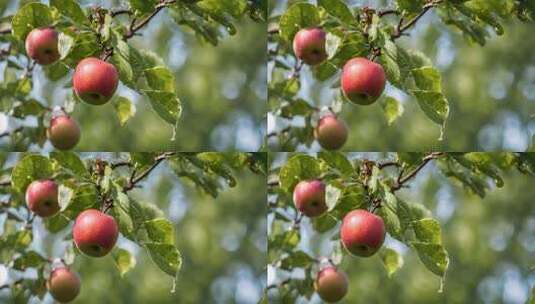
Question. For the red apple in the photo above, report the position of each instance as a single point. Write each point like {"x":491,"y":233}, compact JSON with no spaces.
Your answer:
{"x":363,"y":81}
{"x":95,"y":233}
{"x":362,"y":232}
{"x":95,"y":80}
{"x":309,"y":45}
{"x":42,"y":197}
{"x":331,"y":132}
{"x":64,"y":132}
{"x":42,"y":45}
{"x":63,"y":284}
{"x":331,"y":284}
{"x":309,"y":197}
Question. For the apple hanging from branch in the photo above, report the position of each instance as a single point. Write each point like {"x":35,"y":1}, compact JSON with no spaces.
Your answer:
{"x":64,"y":132}
{"x":331,"y":284}
{"x":42,"y":197}
{"x":309,"y":45}
{"x":331,"y":132}
{"x":95,"y":81}
{"x":362,"y":233}
{"x":42,"y":45}
{"x":95,"y":233}
{"x":63,"y":284}
{"x":309,"y":197}
{"x":363,"y":81}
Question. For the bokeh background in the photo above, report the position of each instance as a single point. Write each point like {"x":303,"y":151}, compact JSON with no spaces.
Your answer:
{"x":223,"y":243}
{"x":491,"y":91}
{"x":222,"y":89}
{"x":490,"y":241}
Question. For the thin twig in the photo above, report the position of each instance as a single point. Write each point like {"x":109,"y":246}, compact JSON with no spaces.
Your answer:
{"x":132,"y":182}
{"x":8,"y":285}
{"x":121,"y":12}
{"x":403,"y":179}
{"x":387,"y":12}
{"x":136,"y":27}
{"x":403,"y":27}
{"x":5,"y":134}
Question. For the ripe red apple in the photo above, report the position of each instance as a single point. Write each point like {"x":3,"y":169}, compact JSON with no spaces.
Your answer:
{"x":95,"y":80}
{"x":363,"y":81}
{"x":42,"y":197}
{"x":309,"y":197}
{"x":63,"y":284}
{"x":42,"y":45}
{"x":95,"y":233}
{"x":331,"y":132}
{"x":331,"y":284}
{"x":64,"y":132}
{"x":309,"y":45}
{"x":362,"y":232}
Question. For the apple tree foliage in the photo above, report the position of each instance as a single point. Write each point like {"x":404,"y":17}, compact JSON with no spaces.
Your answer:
{"x":104,"y":32}
{"x":373,"y":32}
{"x":355,"y":182}
{"x":104,"y":182}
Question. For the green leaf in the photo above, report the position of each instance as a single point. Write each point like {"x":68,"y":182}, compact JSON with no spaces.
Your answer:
{"x":166,"y":256}
{"x":30,"y":16}
{"x":434,"y":105}
{"x":427,"y":230}
{"x":166,"y":104}
{"x":65,"y":45}
{"x":338,"y":9}
{"x":433,"y":256}
{"x":392,"y":109}
{"x":143,"y":6}
{"x":337,"y":161}
{"x":124,"y":108}
{"x":160,"y":230}
{"x":29,"y":259}
{"x":71,"y":162}
{"x":126,"y":74}
{"x":160,"y":78}
{"x":299,"y":167}
{"x":124,"y":260}
{"x":332,"y":196}
{"x":298,"y":259}
{"x":298,"y":16}
{"x":392,"y":261}
{"x":287,"y":240}
{"x":234,"y":8}
{"x":30,"y":168}
{"x":70,"y":9}
{"x":324,"y":223}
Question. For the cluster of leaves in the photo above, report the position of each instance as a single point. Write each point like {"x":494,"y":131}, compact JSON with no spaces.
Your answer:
{"x":357,"y":183}
{"x":106,"y":185}
{"x":370,"y":32}
{"x":100,"y":32}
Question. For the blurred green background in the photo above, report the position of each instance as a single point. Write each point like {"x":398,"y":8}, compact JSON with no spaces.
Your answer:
{"x":491,"y":91}
{"x":490,"y":241}
{"x":222,"y":241}
{"x":222,"y":89}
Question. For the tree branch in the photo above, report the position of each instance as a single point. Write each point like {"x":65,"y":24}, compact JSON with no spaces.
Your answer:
{"x":132,"y":182}
{"x":5,"y":134}
{"x":403,"y":179}
{"x":121,"y":12}
{"x":403,"y":27}
{"x":136,"y":27}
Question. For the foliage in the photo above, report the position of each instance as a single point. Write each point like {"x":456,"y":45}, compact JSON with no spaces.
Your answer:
{"x":361,"y":31}
{"x":377,"y":185}
{"x":104,"y":184}
{"x":101,"y":32}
